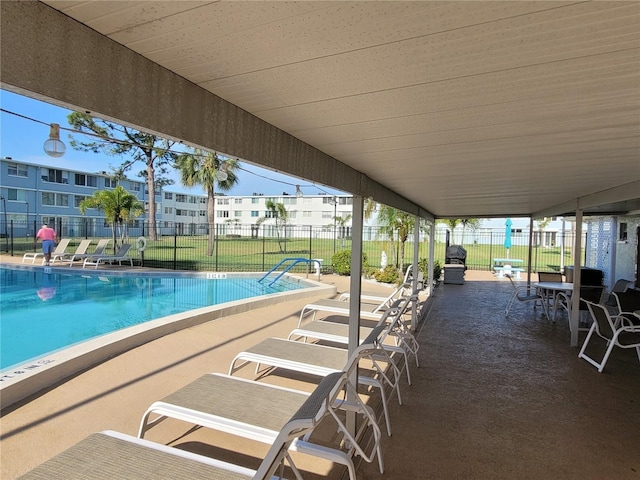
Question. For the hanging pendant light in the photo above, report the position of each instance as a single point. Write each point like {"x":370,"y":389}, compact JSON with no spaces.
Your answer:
{"x":54,"y":146}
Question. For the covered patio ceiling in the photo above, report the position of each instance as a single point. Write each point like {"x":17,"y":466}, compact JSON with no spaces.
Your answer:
{"x":464,"y":109}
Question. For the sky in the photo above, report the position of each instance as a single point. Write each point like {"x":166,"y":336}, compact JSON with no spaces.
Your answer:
{"x":22,"y":140}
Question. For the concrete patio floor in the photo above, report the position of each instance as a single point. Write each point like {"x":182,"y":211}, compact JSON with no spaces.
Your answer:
{"x":494,"y":397}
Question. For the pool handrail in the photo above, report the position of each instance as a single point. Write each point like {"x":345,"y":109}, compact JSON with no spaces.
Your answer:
{"x":295,"y":260}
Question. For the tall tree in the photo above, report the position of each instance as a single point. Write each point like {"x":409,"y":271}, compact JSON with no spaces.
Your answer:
{"x":113,"y":139}
{"x":392,"y":221}
{"x":280,"y":214}
{"x":199,"y":167}
{"x":118,"y":206}
{"x":342,"y":222}
{"x":471,"y":223}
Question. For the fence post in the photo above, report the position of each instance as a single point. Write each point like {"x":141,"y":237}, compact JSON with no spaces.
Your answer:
{"x":217,"y":246}
{"x":490,"y":266}
{"x":12,"y":238}
{"x":310,"y":241}
{"x":263,"y":252}
{"x":175,"y":247}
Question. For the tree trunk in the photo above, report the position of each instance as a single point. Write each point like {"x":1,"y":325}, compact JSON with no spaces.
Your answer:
{"x":211,"y":219}
{"x":151,"y":185}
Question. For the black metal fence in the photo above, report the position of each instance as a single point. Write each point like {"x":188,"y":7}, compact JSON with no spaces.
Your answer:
{"x":259,"y":248}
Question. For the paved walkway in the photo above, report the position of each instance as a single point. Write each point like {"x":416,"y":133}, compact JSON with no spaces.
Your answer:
{"x":494,"y":398}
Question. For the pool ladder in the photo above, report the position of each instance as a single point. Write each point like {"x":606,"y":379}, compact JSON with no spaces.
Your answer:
{"x":295,"y":261}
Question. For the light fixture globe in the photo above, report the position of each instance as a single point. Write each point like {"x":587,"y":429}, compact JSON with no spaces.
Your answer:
{"x":54,"y":146}
{"x":221,"y":175}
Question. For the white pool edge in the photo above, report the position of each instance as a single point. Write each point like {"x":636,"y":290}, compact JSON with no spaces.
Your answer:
{"x":29,"y":379}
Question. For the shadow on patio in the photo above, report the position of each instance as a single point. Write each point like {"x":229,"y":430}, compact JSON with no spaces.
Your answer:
{"x":500,"y":397}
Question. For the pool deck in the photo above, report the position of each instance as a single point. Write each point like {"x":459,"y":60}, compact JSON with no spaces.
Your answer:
{"x":495,"y":397}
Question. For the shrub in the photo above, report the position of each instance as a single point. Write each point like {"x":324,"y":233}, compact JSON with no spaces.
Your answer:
{"x":390,"y":274}
{"x":341,"y":262}
{"x":423,"y":266}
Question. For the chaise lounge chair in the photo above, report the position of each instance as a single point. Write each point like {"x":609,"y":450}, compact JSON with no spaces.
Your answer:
{"x":335,"y":332}
{"x":341,"y":307}
{"x":120,"y":256}
{"x":377,"y":297}
{"x":322,"y":360}
{"x":257,"y":411}
{"x":80,"y":250}
{"x":99,"y":250}
{"x":112,"y":455}
{"x":59,"y":250}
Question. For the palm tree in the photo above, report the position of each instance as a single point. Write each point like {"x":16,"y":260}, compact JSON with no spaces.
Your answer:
{"x":342,"y":222}
{"x":203,"y":168}
{"x":118,"y":206}
{"x":391,"y":221}
{"x":281,"y":216}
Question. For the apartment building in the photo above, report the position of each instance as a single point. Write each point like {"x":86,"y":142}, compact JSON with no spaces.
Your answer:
{"x":31,"y":194}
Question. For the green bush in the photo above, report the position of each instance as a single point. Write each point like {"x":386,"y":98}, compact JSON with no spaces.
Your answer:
{"x":341,"y":262}
{"x":390,"y":274}
{"x":423,"y":266}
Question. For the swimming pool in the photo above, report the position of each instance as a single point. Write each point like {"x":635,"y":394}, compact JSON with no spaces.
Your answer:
{"x":44,"y":312}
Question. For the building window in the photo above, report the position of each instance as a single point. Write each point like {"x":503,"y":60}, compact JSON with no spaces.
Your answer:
{"x":17,"y":170}
{"x":222,"y":201}
{"x":181,"y":213}
{"x":55,"y":176}
{"x":307,"y":214}
{"x":15,"y":195}
{"x":192,"y":213}
{"x":623,"y":235}
{"x":86,"y":180}
{"x":289,"y":201}
{"x":110,"y":183}
{"x":237,"y":213}
{"x":222,"y":213}
{"x":255,"y":200}
{"x":78,"y":199}
{"x":181,"y":198}
{"x":255,"y":213}
{"x":55,"y":199}
{"x":327,"y":214}
{"x":270,"y":214}
{"x":203,"y":213}
{"x":237,"y":201}
{"x":135,"y":187}
{"x":292,"y":215}
{"x":193,"y":199}
{"x":168,"y":210}
{"x":168,"y":196}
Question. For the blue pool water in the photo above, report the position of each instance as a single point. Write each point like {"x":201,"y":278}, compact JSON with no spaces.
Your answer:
{"x":43,"y":312}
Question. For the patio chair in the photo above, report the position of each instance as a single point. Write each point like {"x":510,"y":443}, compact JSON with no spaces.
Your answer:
{"x":378,"y":297}
{"x":322,"y":360}
{"x":524,"y":294}
{"x":120,"y":256}
{"x":548,"y":277}
{"x":80,"y":250}
{"x":108,"y":454}
{"x":59,"y":250}
{"x":611,"y":302}
{"x":257,"y":411}
{"x":336,"y":332}
{"x":99,"y":250}
{"x":627,"y":303}
{"x":616,"y":333}
{"x":341,"y":307}
{"x":588,"y":293}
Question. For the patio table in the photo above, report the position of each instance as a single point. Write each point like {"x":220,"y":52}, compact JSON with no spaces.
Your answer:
{"x":554,"y":288}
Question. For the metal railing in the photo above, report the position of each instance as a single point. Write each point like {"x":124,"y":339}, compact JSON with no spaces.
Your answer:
{"x":257,"y":248}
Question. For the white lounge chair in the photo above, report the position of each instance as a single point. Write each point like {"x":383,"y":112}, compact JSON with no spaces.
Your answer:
{"x":341,"y":307}
{"x":112,"y":455}
{"x":322,"y":360}
{"x":59,"y":250}
{"x":377,"y":297}
{"x":258,"y":411}
{"x":99,"y":250}
{"x":335,"y":332}
{"x":80,"y":250}
{"x":120,"y":256}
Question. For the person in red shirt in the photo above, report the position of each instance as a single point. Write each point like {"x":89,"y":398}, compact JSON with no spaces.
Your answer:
{"x":48,"y":237}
